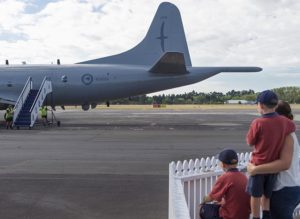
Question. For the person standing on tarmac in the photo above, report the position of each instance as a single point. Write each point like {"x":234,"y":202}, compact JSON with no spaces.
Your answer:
{"x":44,"y":112}
{"x":8,"y":116}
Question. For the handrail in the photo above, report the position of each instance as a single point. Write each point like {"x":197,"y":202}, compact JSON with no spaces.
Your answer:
{"x":21,"y":100}
{"x":45,"y":88}
{"x":38,"y":94}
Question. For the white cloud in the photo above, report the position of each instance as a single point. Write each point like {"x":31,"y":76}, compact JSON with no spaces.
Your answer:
{"x":10,"y":11}
{"x":219,"y":32}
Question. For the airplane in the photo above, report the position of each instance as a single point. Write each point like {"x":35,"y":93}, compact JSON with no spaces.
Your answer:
{"x":160,"y":61}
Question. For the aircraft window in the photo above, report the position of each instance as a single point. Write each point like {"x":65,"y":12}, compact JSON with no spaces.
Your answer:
{"x":64,"y":78}
{"x":9,"y":84}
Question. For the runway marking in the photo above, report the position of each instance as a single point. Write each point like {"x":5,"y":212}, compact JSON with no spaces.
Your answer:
{"x":195,"y":113}
{"x":221,"y":124}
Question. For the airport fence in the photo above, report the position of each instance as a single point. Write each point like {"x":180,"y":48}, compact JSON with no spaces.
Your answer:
{"x":190,"y":181}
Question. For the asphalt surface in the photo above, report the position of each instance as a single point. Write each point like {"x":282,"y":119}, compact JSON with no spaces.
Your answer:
{"x":108,"y":163}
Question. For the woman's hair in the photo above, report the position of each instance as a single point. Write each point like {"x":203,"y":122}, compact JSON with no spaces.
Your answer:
{"x":283,"y":108}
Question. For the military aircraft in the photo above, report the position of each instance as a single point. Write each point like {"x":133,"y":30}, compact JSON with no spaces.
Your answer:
{"x":160,"y":61}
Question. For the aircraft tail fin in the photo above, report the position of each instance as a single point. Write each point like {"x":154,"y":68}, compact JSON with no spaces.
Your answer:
{"x":165,"y":34}
{"x":170,"y":63}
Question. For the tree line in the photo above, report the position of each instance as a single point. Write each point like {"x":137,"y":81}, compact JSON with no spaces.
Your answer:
{"x":290,"y":94}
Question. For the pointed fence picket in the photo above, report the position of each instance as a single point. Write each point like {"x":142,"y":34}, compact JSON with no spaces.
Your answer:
{"x":190,"y":181}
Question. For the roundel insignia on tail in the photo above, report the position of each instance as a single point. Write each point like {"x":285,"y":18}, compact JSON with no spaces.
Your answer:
{"x":87,"y":79}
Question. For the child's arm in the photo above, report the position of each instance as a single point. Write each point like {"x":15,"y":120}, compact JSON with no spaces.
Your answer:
{"x":276,"y":166}
{"x":252,"y":134}
{"x":218,"y":191}
{"x":210,"y":199}
{"x":207,"y":199}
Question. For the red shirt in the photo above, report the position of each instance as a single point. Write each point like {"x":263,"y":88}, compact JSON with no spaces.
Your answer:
{"x":267,"y":134}
{"x":231,"y":186}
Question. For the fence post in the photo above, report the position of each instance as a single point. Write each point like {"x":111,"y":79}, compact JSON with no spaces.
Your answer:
{"x":172,"y":169}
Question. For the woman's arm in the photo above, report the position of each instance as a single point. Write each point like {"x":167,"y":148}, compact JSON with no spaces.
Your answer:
{"x":276,"y":166}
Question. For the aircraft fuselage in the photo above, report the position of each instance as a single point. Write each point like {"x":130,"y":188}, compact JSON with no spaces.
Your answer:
{"x":79,"y":84}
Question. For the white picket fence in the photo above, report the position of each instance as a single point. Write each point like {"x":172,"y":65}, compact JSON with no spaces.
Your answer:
{"x":190,"y":181}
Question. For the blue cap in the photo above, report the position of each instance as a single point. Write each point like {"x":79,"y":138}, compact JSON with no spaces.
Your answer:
{"x":228,"y":156}
{"x":267,"y":97}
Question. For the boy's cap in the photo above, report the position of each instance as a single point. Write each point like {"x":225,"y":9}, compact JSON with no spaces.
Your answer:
{"x":267,"y":97}
{"x":228,"y":156}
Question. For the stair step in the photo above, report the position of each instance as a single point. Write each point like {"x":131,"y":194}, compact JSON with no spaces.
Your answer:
{"x":24,"y":117}
{"x":22,"y":123}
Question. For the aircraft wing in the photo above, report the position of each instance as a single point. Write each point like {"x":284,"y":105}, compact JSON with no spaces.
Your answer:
{"x":239,"y":69}
{"x":170,"y":63}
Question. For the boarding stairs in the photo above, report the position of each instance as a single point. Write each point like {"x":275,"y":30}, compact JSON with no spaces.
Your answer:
{"x":29,"y":102}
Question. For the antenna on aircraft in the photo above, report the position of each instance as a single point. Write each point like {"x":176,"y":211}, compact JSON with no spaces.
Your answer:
{"x":58,"y":61}
{"x":6,"y":62}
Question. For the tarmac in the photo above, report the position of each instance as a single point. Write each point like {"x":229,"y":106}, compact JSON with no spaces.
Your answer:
{"x":108,"y":163}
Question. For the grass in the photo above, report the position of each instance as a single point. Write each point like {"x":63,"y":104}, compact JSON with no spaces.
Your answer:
{"x":182,"y":107}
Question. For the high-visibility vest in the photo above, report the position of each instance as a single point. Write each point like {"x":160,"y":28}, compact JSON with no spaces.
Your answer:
{"x":9,"y":114}
{"x":43,"y":111}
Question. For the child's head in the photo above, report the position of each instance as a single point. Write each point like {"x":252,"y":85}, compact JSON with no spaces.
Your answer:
{"x":228,"y":158}
{"x":266,"y":102}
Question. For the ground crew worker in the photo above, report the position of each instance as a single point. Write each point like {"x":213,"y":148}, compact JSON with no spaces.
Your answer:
{"x":8,"y":116}
{"x":44,"y":111}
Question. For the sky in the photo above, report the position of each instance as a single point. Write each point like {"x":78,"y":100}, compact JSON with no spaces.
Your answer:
{"x":218,"y":32}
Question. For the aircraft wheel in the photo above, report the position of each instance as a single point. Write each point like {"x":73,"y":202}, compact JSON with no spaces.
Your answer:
{"x":58,"y":123}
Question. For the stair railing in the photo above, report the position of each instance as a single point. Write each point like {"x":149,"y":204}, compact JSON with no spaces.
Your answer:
{"x":22,"y":98}
{"x":45,"y":88}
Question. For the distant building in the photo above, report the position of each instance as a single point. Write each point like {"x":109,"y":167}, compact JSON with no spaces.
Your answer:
{"x":239,"y":102}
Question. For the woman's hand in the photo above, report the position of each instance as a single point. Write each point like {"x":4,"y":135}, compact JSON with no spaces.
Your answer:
{"x":251,"y":168}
